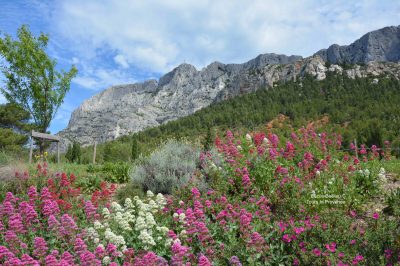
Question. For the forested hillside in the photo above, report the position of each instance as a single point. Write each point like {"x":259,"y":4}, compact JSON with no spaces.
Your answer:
{"x":365,"y":109}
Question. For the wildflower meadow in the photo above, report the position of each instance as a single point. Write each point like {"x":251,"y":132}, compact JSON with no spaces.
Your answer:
{"x":257,"y":199}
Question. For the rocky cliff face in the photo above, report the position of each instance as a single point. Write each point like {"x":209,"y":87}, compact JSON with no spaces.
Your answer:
{"x":381,"y":45}
{"x":124,"y":109}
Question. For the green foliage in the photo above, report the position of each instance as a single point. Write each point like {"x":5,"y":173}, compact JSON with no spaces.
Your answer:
{"x":10,"y":140}
{"x":111,"y":172}
{"x":208,"y":140}
{"x":90,"y":183}
{"x":166,"y":169}
{"x":393,"y":202}
{"x":5,"y":158}
{"x":119,"y":151}
{"x":14,"y":126}
{"x":135,"y":149}
{"x":32,"y":80}
{"x":74,"y":153}
{"x":128,"y":190}
{"x":351,"y":104}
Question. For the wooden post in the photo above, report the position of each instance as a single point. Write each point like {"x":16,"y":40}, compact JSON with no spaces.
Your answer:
{"x":31,"y":151}
{"x":356,"y":148}
{"x":58,"y":152}
{"x":94,"y":152}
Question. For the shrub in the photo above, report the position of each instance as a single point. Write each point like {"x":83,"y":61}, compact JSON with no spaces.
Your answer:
{"x":129,"y":190}
{"x":112,"y":172}
{"x":167,"y":168}
{"x":4,"y":158}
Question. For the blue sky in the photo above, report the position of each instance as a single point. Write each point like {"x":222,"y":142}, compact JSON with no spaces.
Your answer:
{"x":119,"y":41}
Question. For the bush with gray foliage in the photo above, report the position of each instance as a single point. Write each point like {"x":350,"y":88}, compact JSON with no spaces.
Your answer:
{"x":167,"y":168}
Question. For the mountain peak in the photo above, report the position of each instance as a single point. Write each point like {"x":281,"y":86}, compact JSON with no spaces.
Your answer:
{"x":121,"y":110}
{"x":381,"y":45}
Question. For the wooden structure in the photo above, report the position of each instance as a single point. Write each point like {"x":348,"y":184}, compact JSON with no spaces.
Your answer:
{"x":48,"y":137}
{"x":94,"y":152}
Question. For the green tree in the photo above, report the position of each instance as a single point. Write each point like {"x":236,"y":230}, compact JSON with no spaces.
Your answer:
{"x":68,"y":154}
{"x":31,"y":78}
{"x":208,"y":140}
{"x":107,"y":152}
{"x":14,"y":126}
{"x":135,"y":149}
{"x":74,"y":153}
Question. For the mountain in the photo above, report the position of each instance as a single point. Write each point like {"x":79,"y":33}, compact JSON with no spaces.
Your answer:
{"x":382,"y":45}
{"x":125,"y":109}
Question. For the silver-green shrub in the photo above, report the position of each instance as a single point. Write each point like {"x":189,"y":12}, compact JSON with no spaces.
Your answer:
{"x":167,"y":168}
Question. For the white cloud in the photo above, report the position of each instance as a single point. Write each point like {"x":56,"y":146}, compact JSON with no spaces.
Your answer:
{"x":120,"y":59}
{"x":100,"y":78}
{"x":158,"y":35}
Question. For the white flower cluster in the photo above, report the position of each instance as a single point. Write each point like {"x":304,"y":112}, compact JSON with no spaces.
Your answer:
{"x":382,"y":174}
{"x":381,"y":178}
{"x":248,"y":138}
{"x":117,"y":240}
{"x":364,"y":172}
{"x":135,"y":223}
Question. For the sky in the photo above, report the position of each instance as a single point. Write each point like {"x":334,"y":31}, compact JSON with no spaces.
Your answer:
{"x":126,"y":41}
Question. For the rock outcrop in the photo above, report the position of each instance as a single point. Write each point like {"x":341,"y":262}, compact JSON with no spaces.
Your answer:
{"x":125,"y":109}
{"x":382,"y":45}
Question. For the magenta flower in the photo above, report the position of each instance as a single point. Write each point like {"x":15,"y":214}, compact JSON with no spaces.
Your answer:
{"x":245,"y":218}
{"x":357,"y":259}
{"x":282,"y":226}
{"x":100,"y":252}
{"x":4,"y":252}
{"x":7,"y":208}
{"x":203,"y":261}
{"x":40,"y":246}
{"x":150,"y":258}
{"x":87,"y":258}
{"x":50,"y":207}
{"x":45,"y":194}
{"x":286,"y":238}
{"x":299,"y":230}
{"x":234,"y":261}
{"x":179,"y":253}
{"x":15,"y":223}
{"x":50,"y":260}
{"x":66,"y":256}
{"x":28,"y":260}
{"x":331,"y":247}
{"x":80,"y":246}
{"x":68,"y":226}
{"x":195,"y":192}
{"x":53,"y":223}
{"x":90,"y":210}
{"x":375,"y":216}
{"x":28,"y":212}
{"x":274,"y":140}
{"x":317,"y":252}
{"x":111,"y":249}
{"x":246,"y":180}
{"x":388,"y":253}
